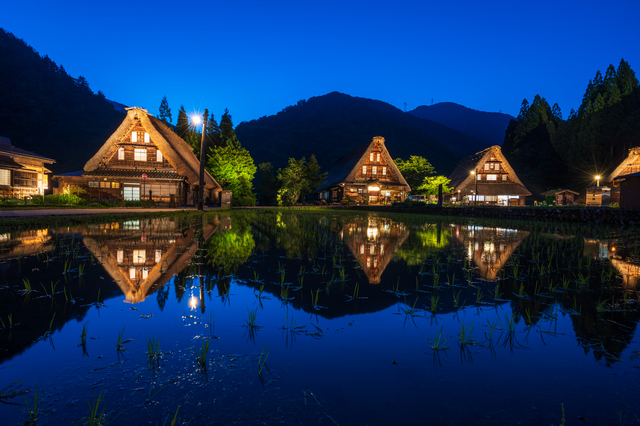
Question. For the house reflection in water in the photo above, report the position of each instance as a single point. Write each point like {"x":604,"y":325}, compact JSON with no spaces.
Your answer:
{"x":609,"y":249}
{"x":373,"y":242}
{"x":489,"y":248}
{"x":142,"y":256}
{"x":25,"y":243}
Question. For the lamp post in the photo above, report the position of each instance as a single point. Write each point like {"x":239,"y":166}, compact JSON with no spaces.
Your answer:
{"x":475,"y":197}
{"x":196,"y":121}
{"x":598,"y":180}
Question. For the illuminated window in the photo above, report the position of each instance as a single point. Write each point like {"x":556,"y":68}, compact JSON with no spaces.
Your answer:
{"x":120,"y":256}
{"x":372,"y":249}
{"x":145,"y":274}
{"x":497,"y":167}
{"x":479,"y":177}
{"x":384,"y":171}
{"x":140,"y":154}
{"x":146,"y":137}
{"x":139,"y":256}
{"x":93,"y":184}
{"x":134,"y":136}
{"x":381,"y":249}
{"x":368,"y":262}
{"x":158,"y":255}
{"x":359,"y":190}
{"x":364,"y":170}
{"x":5,"y":177}
{"x":504,"y":178}
{"x":371,"y":157}
{"x":120,"y":153}
{"x":374,"y":170}
{"x":378,"y":157}
{"x":132,"y":273}
{"x":492,"y":177}
{"x":486,"y":166}
{"x":158,"y":156}
{"x":105,"y":185}
{"x":361,"y":248}
{"x":115,"y":184}
{"x":491,"y":166}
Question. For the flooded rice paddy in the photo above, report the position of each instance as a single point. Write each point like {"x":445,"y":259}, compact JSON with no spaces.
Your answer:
{"x":275,"y":317}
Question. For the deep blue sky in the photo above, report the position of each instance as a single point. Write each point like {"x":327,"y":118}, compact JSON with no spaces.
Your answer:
{"x":257,"y":57}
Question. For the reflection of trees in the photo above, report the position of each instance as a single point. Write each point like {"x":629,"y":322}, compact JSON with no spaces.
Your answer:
{"x":423,"y":241}
{"x":231,"y":247}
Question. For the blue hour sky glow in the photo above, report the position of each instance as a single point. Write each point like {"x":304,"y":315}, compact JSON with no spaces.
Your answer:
{"x":256,"y":58}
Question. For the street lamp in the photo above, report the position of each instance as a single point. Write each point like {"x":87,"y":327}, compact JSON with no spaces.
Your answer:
{"x":195,"y":119}
{"x":598,"y":180}
{"x":475,"y":197}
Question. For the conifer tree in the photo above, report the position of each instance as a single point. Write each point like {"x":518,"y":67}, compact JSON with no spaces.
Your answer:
{"x":165,"y":111}
{"x":182,"y":128}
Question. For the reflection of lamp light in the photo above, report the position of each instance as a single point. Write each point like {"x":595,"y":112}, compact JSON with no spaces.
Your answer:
{"x":372,"y":233}
{"x":193,"y":303}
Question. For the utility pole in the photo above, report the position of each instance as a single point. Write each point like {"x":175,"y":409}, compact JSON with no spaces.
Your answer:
{"x":476,"y":178}
{"x":202,"y":157}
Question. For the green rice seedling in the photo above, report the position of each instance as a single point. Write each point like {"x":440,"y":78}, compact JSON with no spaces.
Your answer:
{"x":10,"y":318}
{"x":251,"y":318}
{"x":456,"y":299}
{"x":343,"y":275}
{"x":119,"y":346}
{"x":81,"y":269}
{"x":562,"y":422}
{"x":511,"y":324}
{"x":465,"y":336}
{"x":51,"y":323}
{"x":256,"y":276}
{"x":492,"y":328}
{"x":284,"y":293}
{"x":600,"y":307}
{"x":27,"y":285}
{"x":527,"y":316}
{"x":314,"y":300}
{"x":83,"y":336}
{"x":153,"y":349}
{"x":96,"y":416}
{"x":33,"y":407}
{"x":356,"y":291}
{"x":496,"y":292}
{"x":515,"y":270}
{"x":451,"y":280}
{"x":438,"y":343}
{"x":521,"y":292}
{"x":202,"y":356}
{"x":174,"y":420}
{"x":435,"y":301}
{"x":479,"y":295}
{"x":565,"y":283}
{"x":263,"y":362}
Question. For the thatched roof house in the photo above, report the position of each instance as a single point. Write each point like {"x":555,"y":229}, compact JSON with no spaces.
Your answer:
{"x":143,"y":155}
{"x":490,"y":173}
{"x":367,"y":174}
{"x":22,"y":173}
{"x":629,"y":165}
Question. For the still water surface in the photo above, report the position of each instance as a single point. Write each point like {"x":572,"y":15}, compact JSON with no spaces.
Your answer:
{"x":319,"y":318}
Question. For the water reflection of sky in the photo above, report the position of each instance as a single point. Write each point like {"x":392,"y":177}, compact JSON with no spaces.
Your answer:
{"x":401,"y":279}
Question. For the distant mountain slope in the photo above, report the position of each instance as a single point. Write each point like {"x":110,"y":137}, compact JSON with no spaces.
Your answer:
{"x":330,"y":126}
{"x":487,"y":126}
{"x":46,"y":111}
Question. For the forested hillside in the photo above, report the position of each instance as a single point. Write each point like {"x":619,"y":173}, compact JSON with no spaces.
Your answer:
{"x":45,"y":110}
{"x":330,"y":126}
{"x":486,"y":126}
{"x":550,"y":152}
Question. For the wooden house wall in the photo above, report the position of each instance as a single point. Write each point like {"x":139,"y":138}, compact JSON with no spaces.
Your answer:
{"x":630,"y":193}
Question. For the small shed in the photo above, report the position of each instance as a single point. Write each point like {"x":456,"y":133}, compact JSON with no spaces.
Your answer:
{"x":629,"y":191}
{"x":598,"y":196}
{"x":566,"y":197}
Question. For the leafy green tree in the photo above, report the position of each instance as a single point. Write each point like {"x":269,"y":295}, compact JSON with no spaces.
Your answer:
{"x":293,"y":180}
{"x":415,"y":170}
{"x":165,"y":112}
{"x":233,"y":168}
{"x":430,"y":185}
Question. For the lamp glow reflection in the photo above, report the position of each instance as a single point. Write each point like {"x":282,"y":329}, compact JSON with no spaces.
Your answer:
{"x":193,"y":303}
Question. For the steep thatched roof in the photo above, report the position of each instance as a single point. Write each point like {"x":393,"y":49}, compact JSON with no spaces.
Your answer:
{"x":176,"y":151}
{"x":7,"y":148}
{"x":346,"y":167}
{"x":634,"y":155}
{"x":463,"y":180}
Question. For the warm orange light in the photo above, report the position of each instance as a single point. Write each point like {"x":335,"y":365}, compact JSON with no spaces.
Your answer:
{"x":598,"y":177}
{"x":193,"y":303}
{"x":196,"y":119}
